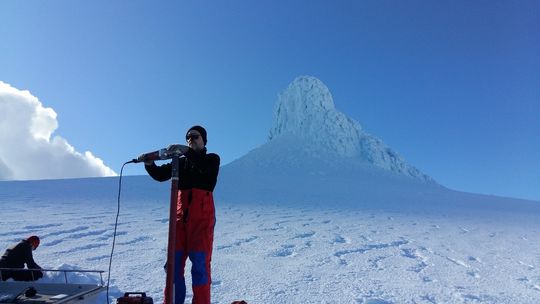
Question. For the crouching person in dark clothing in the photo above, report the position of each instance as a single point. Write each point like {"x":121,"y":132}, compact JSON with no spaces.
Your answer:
{"x":16,"y":257}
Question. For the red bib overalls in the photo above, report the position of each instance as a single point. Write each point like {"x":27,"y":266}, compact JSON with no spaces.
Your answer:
{"x":195,"y":221}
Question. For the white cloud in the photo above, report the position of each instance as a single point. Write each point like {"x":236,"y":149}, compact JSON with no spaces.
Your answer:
{"x":27,"y":150}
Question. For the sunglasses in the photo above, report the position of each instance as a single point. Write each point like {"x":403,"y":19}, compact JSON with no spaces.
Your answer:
{"x":192,"y":137}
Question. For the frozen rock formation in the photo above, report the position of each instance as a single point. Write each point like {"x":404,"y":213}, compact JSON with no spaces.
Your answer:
{"x":306,"y":110}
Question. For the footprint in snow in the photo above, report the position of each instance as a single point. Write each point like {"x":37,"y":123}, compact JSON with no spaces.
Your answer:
{"x":374,"y":301}
{"x":52,"y":243}
{"x":304,"y":235}
{"x":98,"y":258}
{"x":376,"y":262}
{"x":474,"y":259}
{"x":473,"y":274}
{"x":413,"y":254}
{"x":89,"y":218}
{"x":338,"y":239}
{"x":87,"y":233}
{"x":270,"y":229}
{"x":110,"y":235}
{"x":428,"y":279}
{"x":245,"y":241}
{"x":409,"y":253}
{"x":478,"y":298}
{"x":87,"y":247}
{"x":136,"y":240}
{"x":429,"y":299}
{"x":66,"y":231}
{"x":418,"y":268}
{"x":41,"y":226}
{"x":238,"y":243}
{"x":284,"y":251}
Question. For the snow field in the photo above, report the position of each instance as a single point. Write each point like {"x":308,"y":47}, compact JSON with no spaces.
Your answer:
{"x":293,"y":254}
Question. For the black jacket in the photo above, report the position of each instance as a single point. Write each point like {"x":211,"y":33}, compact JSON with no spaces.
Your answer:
{"x":196,"y":170}
{"x":18,"y":255}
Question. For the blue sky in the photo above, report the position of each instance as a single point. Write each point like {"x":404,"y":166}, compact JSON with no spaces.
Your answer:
{"x":453,"y":86}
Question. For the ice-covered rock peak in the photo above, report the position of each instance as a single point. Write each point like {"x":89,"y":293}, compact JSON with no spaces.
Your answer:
{"x":307,"y":93}
{"x":306,"y":110}
{"x":300,"y":105}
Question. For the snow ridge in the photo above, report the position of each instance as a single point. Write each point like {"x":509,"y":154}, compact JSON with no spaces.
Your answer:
{"x":306,"y":110}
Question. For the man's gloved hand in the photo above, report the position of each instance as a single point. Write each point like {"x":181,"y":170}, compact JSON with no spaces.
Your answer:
{"x":142,"y":157}
{"x":177,"y":148}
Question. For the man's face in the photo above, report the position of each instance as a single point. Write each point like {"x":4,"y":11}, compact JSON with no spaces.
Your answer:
{"x":195,"y":140}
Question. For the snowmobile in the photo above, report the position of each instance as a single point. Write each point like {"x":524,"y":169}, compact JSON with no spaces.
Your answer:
{"x":35,"y":292}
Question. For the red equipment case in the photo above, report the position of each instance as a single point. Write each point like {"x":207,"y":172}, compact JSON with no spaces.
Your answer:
{"x":129,"y":299}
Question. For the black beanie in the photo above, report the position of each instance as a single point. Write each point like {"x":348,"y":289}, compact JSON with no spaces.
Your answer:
{"x":200,"y":130}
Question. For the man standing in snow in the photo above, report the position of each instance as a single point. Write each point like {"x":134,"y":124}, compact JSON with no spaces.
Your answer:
{"x":16,"y":257}
{"x":195,"y":217}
